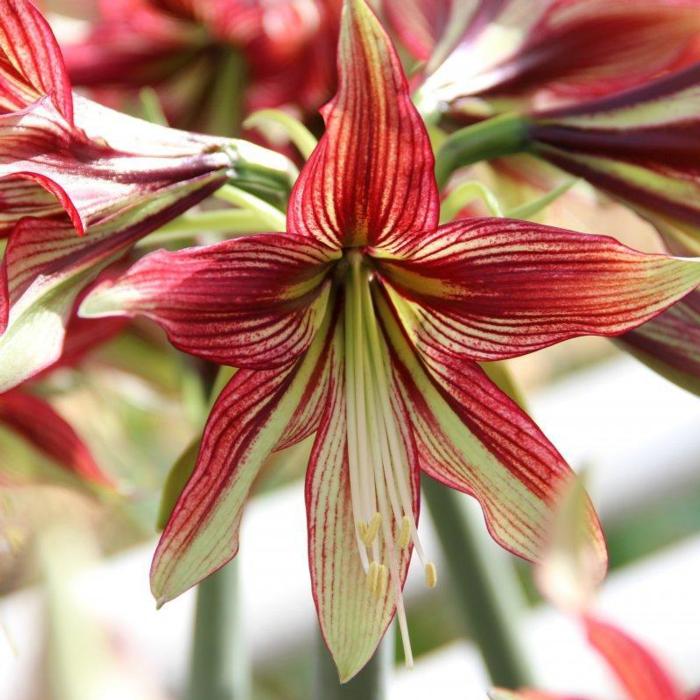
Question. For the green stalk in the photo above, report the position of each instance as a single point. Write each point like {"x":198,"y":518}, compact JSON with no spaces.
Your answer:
{"x":493,"y":138}
{"x":371,"y":683}
{"x":219,"y":667}
{"x":486,"y":590}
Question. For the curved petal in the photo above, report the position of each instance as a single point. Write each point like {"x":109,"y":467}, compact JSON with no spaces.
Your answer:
{"x":252,"y":302}
{"x":39,"y":423}
{"x":473,"y":438}
{"x":45,"y":257}
{"x":31,"y":64}
{"x":489,"y":289}
{"x":637,"y":670}
{"x":670,"y":343}
{"x":248,"y":421}
{"x":352,"y":618}
{"x":370,"y":178}
{"x":419,"y":24}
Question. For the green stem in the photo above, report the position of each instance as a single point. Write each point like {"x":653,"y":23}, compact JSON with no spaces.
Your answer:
{"x":266,"y":213}
{"x":485,"y":586}
{"x":219,"y":668}
{"x":371,"y":683}
{"x":493,"y":138}
{"x":226,"y":97}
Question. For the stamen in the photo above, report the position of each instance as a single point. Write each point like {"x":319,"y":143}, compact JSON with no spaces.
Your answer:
{"x":368,"y":531}
{"x":430,"y":575}
{"x":373,"y":576}
{"x":404,"y":532}
{"x":382,"y":582}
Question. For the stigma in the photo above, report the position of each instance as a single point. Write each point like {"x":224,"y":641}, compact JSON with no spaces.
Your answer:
{"x":380,"y":469}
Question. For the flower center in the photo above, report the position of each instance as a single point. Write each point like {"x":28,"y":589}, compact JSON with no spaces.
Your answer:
{"x":378,"y":454}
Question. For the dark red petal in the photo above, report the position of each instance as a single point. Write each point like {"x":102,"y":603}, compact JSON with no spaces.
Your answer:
{"x":371,"y":177}
{"x":39,"y":423}
{"x":252,"y":302}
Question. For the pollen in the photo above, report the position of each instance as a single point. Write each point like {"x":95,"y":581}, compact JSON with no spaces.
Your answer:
{"x":373,"y":576}
{"x":368,"y":531}
{"x":430,"y":575}
{"x":404,"y":532}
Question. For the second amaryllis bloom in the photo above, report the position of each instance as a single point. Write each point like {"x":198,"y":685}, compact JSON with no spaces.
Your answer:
{"x":79,"y":184}
{"x":363,"y":325}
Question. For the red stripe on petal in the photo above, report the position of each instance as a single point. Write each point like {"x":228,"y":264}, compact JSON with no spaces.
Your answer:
{"x":489,"y":289}
{"x":371,"y":177}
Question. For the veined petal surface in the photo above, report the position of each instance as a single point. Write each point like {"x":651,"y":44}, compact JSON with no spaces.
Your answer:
{"x":473,"y":438}
{"x":253,"y":302}
{"x":371,"y":177}
{"x":248,"y":421}
{"x":489,"y":289}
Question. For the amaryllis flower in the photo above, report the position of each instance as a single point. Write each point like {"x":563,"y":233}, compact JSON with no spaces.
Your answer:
{"x":639,"y":673}
{"x":516,"y":52}
{"x":79,"y":184}
{"x":283,"y":52}
{"x":363,"y":324}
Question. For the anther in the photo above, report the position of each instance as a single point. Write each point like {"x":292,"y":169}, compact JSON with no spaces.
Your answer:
{"x":373,"y":576}
{"x":404,"y":532}
{"x":430,"y":575}
{"x":368,"y":531}
{"x":382,"y":581}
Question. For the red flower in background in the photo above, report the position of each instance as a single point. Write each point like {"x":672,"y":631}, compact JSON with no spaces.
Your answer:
{"x":183,"y":46}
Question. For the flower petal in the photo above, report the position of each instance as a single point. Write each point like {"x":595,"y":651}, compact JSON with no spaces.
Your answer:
{"x":489,"y":289}
{"x":670,"y":343}
{"x":501,"y":694}
{"x":371,"y":177}
{"x":473,"y":438}
{"x":46,"y":266}
{"x":419,"y":24}
{"x":31,"y":64}
{"x":39,"y":423}
{"x":353,"y":620}
{"x":640,"y":146}
{"x":638,"y":671}
{"x":248,"y":421}
{"x":252,"y":302}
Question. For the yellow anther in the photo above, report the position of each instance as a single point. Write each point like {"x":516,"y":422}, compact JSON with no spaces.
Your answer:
{"x":373,"y":576}
{"x":382,"y":581}
{"x":368,"y":531}
{"x":404,"y":532}
{"x":430,"y":575}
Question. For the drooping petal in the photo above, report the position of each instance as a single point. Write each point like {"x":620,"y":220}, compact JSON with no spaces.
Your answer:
{"x":488,"y":289}
{"x":670,"y":343}
{"x":38,"y":422}
{"x":248,"y":421}
{"x":46,"y":266}
{"x":353,"y":619}
{"x":371,"y":177}
{"x":31,"y":64}
{"x":641,"y":675}
{"x":565,"y":52}
{"x":252,"y":302}
{"x":473,"y":438}
{"x":641,"y":147}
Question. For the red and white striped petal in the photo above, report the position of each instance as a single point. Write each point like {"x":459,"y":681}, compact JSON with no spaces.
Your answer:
{"x":38,"y":422}
{"x":46,"y":266}
{"x":565,"y":51}
{"x":641,"y":674}
{"x":473,"y":438}
{"x":252,"y":302}
{"x":249,"y":420}
{"x":488,"y":289}
{"x":106,"y":163}
{"x":670,"y":343}
{"x":370,"y":179}
{"x":353,"y":619}
{"x":31,"y":64}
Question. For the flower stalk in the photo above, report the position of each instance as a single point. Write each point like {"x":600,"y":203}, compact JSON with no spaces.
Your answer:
{"x":484,"y":585}
{"x":219,"y":667}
